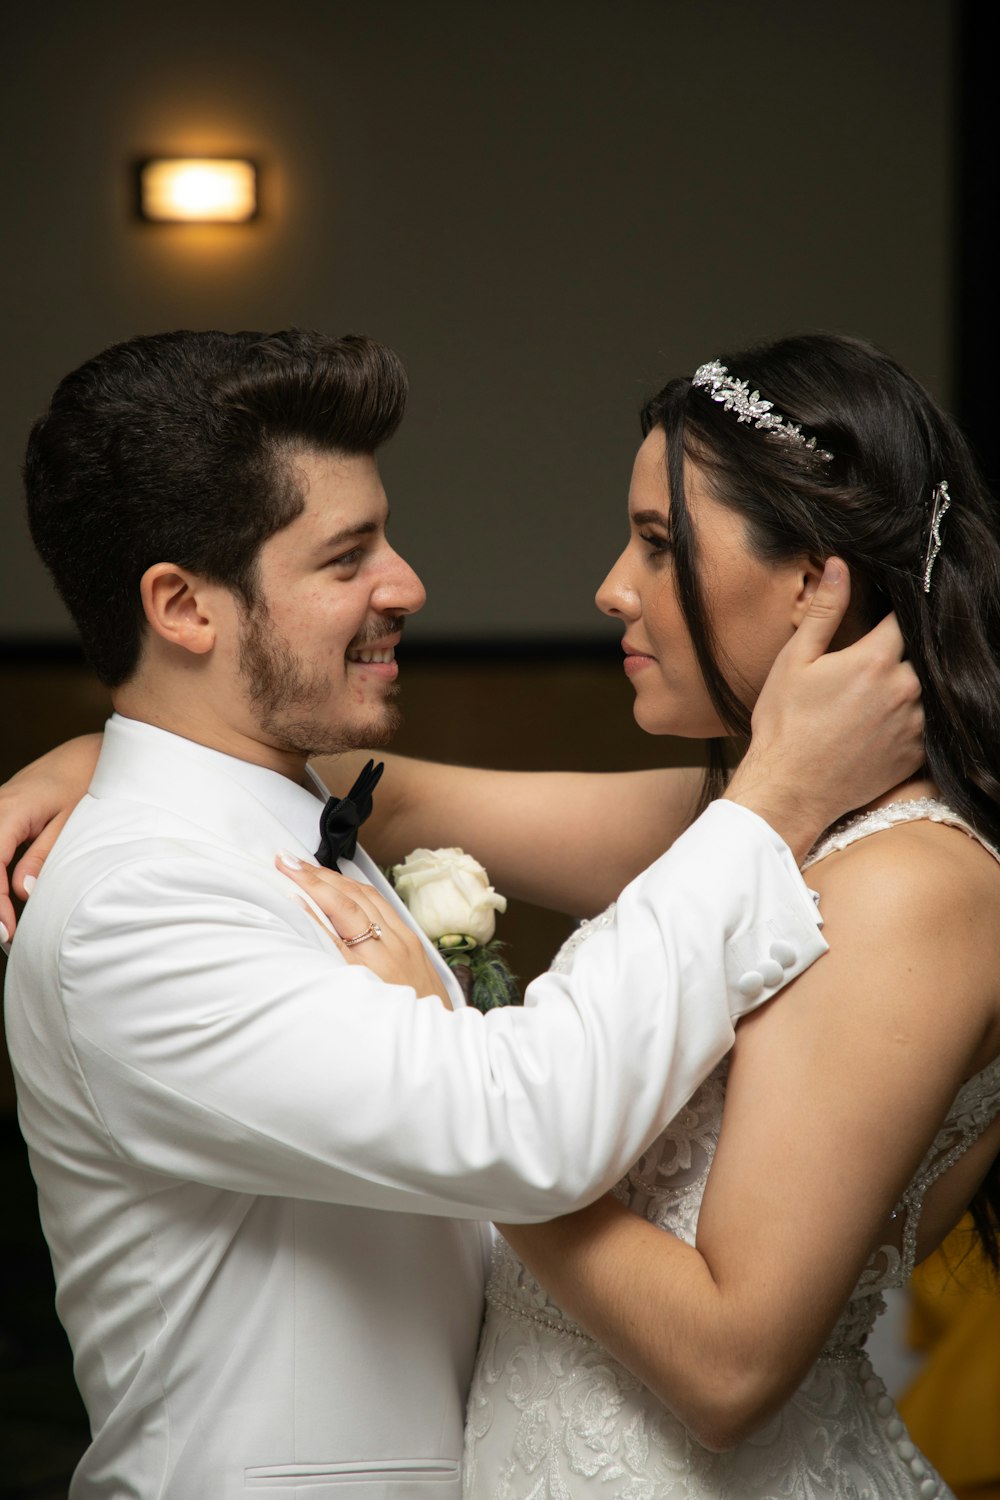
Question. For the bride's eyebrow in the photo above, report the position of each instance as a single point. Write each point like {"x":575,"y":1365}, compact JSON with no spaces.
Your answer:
{"x":650,"y":518}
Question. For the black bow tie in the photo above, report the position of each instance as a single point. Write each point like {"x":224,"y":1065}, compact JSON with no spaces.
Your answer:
{"x":343,"y":816}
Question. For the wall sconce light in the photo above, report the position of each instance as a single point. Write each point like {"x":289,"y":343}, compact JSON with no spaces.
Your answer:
{"x":197,"y":190}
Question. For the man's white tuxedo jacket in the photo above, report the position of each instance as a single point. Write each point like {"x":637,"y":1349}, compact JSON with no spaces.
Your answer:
{"x":261,"y":1171}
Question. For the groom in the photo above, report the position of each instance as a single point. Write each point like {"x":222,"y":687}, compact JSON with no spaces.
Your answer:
{"x":260,"y":1167}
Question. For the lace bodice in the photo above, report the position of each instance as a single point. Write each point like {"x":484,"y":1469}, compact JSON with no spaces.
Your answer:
{"x":551,"y":1362}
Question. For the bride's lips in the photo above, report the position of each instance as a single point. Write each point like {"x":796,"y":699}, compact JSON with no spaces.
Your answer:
{"x":635,"y":659}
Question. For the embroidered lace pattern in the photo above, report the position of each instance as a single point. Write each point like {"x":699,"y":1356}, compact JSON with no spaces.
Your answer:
{"x":552,"y":1416}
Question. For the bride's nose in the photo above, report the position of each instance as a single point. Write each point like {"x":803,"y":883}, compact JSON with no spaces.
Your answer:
{"x":616,"y":596}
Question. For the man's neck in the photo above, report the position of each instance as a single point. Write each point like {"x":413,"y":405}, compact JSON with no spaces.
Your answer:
{"x":213,"y":733}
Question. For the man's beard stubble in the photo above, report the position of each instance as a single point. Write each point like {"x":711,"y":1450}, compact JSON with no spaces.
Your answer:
{"x":286,"y":696}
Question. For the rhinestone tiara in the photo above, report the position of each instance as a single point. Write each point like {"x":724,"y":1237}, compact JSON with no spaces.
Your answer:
{"x":736,"y":395}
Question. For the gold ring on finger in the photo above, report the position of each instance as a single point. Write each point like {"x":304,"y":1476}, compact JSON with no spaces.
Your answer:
{"x":373,"y":930}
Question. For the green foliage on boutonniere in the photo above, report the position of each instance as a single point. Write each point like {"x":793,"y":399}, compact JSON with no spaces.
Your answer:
{"x":483,"y":972}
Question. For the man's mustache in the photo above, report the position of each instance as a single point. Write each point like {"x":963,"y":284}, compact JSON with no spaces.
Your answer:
{"x":376,"y":631}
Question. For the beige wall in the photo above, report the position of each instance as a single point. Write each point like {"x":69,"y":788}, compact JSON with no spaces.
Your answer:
{"x":547,"y":205}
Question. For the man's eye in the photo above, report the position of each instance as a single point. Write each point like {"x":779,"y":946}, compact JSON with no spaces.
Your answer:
{"x":346,"y":559}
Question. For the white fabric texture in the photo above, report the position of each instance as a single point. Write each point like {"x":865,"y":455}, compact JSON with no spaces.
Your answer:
{"x":260,"y":1169}
{"x":553,"y":1416}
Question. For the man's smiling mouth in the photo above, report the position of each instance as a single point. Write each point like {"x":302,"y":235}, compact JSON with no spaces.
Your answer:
{"x":370,"y":654}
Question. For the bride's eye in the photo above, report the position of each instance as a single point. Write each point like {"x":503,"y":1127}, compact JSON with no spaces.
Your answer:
{"x":655,"y":542}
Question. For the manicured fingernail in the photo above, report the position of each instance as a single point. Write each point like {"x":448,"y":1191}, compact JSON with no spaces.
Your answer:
{"x":29,"y":884}
{"x":4,"y":934}
{"x":290,"y":861}
{"x":833,"y":572}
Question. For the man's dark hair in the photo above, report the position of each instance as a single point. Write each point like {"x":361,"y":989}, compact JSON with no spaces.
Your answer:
{"x":175,"y":448}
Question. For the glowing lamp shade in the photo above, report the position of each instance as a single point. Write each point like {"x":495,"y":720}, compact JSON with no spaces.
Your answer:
{"x":197,"y":190}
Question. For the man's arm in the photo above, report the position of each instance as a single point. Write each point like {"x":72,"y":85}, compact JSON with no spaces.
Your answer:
{"x":222,"y":1041}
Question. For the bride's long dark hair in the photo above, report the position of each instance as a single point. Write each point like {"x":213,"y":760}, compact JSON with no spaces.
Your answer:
{"x":869,"y":501}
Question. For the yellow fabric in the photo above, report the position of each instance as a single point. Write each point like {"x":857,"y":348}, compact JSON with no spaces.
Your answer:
{"x":953,"y":1407}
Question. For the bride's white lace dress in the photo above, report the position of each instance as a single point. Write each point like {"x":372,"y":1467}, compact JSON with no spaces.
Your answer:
{"x":552,"y":1416}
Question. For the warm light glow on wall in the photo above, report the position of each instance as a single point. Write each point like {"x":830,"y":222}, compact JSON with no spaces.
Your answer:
{"x":197,"y":190}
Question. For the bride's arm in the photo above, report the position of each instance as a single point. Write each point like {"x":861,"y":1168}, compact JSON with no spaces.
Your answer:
{"x":565,"y":840}
{"x":574,"y":841}
{"x":834,"y":1097}
{"x":34,"y":805}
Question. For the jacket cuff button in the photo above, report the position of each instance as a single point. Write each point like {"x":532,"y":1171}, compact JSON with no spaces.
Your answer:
{"x":751,"y":984}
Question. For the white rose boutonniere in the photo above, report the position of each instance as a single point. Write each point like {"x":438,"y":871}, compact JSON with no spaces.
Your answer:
{"x":449,"y":896}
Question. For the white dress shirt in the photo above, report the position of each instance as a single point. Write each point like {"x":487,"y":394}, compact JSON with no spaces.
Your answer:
{"x":260,"y":1168}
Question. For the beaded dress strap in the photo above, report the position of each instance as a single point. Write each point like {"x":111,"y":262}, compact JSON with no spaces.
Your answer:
{"x":860,"y":825}
{"x":978,"y":1100}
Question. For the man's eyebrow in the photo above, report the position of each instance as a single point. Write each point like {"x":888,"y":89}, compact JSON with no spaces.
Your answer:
{"x":363,"y":528}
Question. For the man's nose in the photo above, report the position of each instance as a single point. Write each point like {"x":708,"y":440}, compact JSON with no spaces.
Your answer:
{"x":400,"y":590}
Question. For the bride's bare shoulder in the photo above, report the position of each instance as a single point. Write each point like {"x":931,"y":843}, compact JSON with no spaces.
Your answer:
{"x":910,"y":914}
{"x":924,"y":895}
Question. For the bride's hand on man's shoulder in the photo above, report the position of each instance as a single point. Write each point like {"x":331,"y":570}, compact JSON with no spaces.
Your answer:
{"x":368,"y":931}
{"x":34,"y":805}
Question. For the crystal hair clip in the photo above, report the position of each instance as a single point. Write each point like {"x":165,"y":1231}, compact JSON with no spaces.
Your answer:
{"x":940,"y":505}
{"x":736,"y":395}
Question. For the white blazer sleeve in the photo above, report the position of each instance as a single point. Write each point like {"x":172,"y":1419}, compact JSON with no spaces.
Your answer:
{"x":222,"y":1040}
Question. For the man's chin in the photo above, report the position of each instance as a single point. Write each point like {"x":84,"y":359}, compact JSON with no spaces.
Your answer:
{"x":314,"y":737}
{"x":380,"y":731}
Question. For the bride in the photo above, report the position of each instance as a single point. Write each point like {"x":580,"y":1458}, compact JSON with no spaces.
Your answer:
{"x":851,"y":1126}
{"x":699,"y":1332}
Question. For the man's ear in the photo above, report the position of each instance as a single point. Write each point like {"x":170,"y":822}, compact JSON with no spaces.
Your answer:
{"x":177,"y":605}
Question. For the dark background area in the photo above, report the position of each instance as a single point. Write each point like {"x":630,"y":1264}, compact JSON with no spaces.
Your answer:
{"x":548,"y":208}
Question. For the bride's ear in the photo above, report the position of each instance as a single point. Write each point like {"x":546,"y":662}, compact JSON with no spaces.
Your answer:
{"x":809,"y":573}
